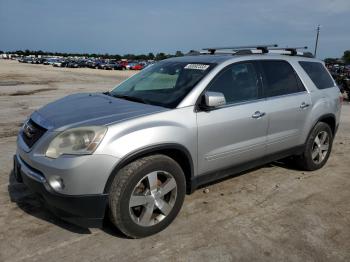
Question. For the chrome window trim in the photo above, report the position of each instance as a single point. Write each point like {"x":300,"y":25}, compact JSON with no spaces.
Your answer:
{"x":286,"y":95}
{"x":258,"y":100}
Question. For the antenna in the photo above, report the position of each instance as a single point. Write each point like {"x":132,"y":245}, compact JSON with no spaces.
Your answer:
{"x":317,"y":35}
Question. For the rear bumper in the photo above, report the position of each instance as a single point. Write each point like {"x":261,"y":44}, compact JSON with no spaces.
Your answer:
{"x":82,"y":210}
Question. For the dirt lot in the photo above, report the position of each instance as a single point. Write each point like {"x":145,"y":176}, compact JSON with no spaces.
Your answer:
{"x":273,"y":213}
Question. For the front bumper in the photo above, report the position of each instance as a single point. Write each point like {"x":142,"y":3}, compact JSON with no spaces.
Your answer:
{"x":82,"y":210}
{"x":82,"y":175}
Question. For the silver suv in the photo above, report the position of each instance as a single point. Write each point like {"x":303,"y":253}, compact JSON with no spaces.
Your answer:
{"x":134,"y":152}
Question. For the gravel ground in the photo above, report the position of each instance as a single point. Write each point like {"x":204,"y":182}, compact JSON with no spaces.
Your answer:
{"x":273,"y":213}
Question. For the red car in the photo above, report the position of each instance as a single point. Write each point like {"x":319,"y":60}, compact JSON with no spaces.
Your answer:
{"x":136,"y":67}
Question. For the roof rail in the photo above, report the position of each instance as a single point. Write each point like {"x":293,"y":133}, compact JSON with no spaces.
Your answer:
{"x":260,"y":49}
{"x":263,"y":48}
{"x":293,"y":51}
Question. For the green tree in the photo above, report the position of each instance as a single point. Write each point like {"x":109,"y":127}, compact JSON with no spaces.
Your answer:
{"x":151,"y":56}
{"x":330,"y":60}
{"x":346,"y":57}
{"x":179,"y":53}
{"x":161,"y":56}
{"x":129,"y":56}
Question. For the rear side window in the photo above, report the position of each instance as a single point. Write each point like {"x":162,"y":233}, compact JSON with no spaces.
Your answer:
{"x":318,"y":74}
{"x":280,"y":78}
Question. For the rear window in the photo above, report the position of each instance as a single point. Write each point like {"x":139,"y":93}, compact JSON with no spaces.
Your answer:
{"x":318,"y":74}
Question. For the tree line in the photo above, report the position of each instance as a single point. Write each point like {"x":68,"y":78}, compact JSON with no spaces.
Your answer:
{"x":149,"y":56}
{"x":345,"y":58}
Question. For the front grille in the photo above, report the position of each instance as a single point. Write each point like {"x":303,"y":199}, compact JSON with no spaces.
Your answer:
{"x":32,"y":132}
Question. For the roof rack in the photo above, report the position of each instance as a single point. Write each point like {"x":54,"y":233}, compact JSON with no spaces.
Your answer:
{"x":259,"y":49}
{"x":293,"y":51}
{"x":263,"y":48}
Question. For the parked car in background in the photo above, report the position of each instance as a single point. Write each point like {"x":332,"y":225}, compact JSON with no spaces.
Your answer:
{"x":40,"y":60}
{"x":130,"y":65}
{"x":136,"y":67}
{"x":50,"y":61}
{"x":111,"y":65}
{"x":25,"y":60}
{"x":107,"y":65}
{"x":118,"y":66}
{"x":123,"y":63}
{"x":58,"y":63}
{"x":96,"y":64}
{"x":75,"y":64}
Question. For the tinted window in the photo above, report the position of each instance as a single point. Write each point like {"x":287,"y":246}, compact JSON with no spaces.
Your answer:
{"x":318,"y":74}
{"x":238,"y":83}
{"x":280,"y":79}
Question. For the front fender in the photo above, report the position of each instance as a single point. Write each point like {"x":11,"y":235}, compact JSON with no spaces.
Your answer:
{"x":173,"y":127}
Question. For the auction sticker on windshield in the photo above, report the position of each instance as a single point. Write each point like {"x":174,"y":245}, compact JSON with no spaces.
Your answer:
{"x":197,"y":66}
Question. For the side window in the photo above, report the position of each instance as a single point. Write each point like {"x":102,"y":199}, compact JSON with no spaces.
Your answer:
{"x":318,"y":74}
{"x":239,"y":83}
{"x":280,"y":79}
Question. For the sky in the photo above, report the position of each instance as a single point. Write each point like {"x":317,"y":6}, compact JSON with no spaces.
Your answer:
{"x":135,"y":26}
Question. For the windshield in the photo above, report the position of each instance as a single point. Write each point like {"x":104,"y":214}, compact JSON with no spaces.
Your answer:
{"x":164,"y":84}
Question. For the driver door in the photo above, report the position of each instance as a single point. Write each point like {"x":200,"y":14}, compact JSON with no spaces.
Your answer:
{"x":236,"y":132}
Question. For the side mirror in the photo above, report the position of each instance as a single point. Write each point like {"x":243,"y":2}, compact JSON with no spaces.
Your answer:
{"x":214,"y":100}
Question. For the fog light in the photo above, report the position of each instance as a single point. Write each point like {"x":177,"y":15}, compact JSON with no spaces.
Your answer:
{"x":57,"y":183}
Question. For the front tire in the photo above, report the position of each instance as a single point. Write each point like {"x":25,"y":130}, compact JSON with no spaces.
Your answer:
{"x":317,"y":149}
{"x":146,"y":195}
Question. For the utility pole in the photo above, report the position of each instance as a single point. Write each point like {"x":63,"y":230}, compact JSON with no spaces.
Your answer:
{"x":316,"y":44}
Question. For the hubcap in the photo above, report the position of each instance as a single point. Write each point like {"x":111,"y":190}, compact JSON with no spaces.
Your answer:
{"x":320,"y":147}
{"x":153,"y":198}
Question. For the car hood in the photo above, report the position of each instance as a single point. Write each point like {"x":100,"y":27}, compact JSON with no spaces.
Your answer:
{"x":89,"y":109}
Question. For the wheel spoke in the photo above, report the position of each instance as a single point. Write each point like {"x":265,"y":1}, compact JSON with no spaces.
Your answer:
{"x":167,"y":186}
{"x":147,"y":213}
{"x":152,"y":180}
{"x":320,"y":156}
{"x":324,"y":147}
{"x":163,"y":206}
{"x":138,"y":200}
{"x":317,"y":141}
{"x":314,"y":153}
{"x":323,"y":137}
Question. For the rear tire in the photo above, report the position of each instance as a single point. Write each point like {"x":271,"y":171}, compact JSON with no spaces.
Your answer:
{"x":146,"y":195}
{"x":317,"y":148}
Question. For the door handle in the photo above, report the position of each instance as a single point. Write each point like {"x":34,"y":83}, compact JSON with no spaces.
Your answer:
{"x":258,"y":114}
{"x":304,"y":105}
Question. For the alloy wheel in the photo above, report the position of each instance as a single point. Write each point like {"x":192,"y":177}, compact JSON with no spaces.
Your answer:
{"x":153,"y":198}
{"x":320,"y":147}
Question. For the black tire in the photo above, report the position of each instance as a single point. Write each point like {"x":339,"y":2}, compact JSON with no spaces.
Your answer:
{"x":305,"y":160}
{"x":122,"y":188}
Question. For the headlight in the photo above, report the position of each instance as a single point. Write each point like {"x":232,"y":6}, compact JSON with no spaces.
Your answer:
{"x":76,"y":141}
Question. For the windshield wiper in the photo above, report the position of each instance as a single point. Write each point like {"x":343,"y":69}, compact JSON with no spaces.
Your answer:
{"x":130,"y":98}
{"x":107,"y":93}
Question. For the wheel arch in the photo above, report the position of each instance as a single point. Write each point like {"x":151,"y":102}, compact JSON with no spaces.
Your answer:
{"x":329,"y":119}
{"x":175,"y":151}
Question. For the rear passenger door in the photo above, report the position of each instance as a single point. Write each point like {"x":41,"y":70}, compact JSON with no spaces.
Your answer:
{"x":287,"y":104}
